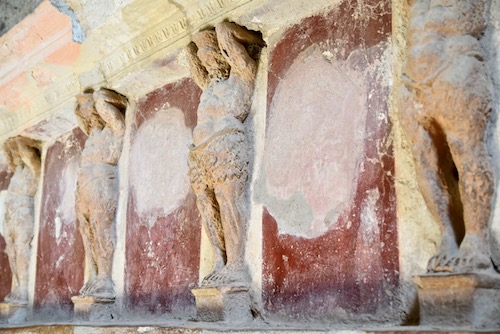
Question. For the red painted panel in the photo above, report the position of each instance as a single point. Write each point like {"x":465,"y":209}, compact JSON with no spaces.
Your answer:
{"x":162,"y":261}
{"x":60,"y":262}
{"x":337,"y":28}
{"x":5,"y":273}
{"x":5,"y":176}
{"x":183,"y":94}
{"x":162,"y":249}
{"x":349,"y":272}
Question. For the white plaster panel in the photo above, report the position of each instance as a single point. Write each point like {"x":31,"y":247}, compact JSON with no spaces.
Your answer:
{"x":314,"y":143}
{"x":158,"y":164}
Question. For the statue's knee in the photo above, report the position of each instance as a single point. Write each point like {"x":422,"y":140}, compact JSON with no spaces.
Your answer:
{"x":200,"y":190}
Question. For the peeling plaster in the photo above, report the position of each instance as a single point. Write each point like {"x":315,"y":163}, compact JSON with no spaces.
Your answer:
{"x":314,"y":143}
{"x":164,"y":139}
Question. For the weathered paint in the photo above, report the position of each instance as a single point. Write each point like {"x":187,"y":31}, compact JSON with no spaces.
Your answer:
{"x":60,"y":261}
{"x":343,"y":262}
{"x":163,"y":230}
{"x":5,"y":272}
{"x":42,"y":42}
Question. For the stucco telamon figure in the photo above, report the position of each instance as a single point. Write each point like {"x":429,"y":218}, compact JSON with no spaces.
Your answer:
{"x":223,"y":63}
{"x":445,"y":117}
{"x":101,"y":116}
{"x":23,"y":155}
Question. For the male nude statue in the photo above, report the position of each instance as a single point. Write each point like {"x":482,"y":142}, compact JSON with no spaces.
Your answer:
{"x":448,"y":103}
{"x":223,"y":63}
{"x":101,"y":117}
{"x":24,"y":160}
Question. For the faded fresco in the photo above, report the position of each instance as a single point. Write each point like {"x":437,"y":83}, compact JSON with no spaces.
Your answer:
{"x":327,"y":186}
{"x":60,"y":261}
{"x":163,"y":230}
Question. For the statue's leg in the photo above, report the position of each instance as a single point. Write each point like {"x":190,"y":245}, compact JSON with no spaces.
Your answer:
{"x":102,"y":219}
{"x":23,"y":240}
{"x":428,"y":150}
{"x":232,"y":201}
{"x":210,"y":218}
{"x":468,"y":147}
{"x":200,"y":162}
{"x":87,"y":238}
{"x":10,"y":235}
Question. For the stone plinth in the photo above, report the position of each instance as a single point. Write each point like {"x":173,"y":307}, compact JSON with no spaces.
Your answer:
{"x":93,"y":309}
{"x":13,"y":313}
{"x":459,"y":300}
{"x":227,"y":304}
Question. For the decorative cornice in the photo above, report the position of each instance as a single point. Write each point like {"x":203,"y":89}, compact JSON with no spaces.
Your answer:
{"x":133,"y":55}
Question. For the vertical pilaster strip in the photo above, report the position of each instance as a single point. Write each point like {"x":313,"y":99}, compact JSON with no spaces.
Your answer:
{"x":119,"y":257}
{"x":258,"y":118}
{"x":36,"y":231}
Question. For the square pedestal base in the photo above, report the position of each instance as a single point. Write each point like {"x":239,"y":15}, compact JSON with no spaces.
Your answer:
{"x":464,"y":300}
{"x":13,"y":313}
{"x":93,"y":309}
{"x":227,"y":304}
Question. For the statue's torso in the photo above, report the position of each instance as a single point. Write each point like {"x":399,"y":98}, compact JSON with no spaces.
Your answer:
{"x":440,"y":38}
{"x":100,"y":156}
{"x":23,"y":182}
{"x":102,"y":147}
{"x":224,"y":105}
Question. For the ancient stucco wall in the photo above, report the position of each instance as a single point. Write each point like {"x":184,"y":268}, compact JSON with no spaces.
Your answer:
{"x":338,"y":226}
{"x":60,"y":264}
{"x":418,"y":234}
{"x":163,"y":226}
{"x":12,"y":11}
{"x":491,"y":43}
{"x":5,"y":271}
{"x":327,"y":178}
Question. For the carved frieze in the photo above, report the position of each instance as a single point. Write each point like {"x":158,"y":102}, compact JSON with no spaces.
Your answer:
{"x":176,"y":26}
{"x":41,"y":107}
{"x":145,"y":45}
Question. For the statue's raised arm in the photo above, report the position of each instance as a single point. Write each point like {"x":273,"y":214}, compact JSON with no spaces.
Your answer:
{"x":110,"y":105}
{"x":29,"y":152}
{"x":25,"y":152}
{"x":12,"y":153}
{"x":198,"y":72}
{"x":86,"y":114}
{"x":235,"y":42}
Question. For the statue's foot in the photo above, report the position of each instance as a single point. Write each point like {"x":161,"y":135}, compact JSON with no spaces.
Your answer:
{"x":439,"y":263}
{"x":210,"y":278}
{"x":103,"y":288}
{"x":87,"y":287}
{"x":228,"y":276}
{"x":447,"y":250}
{"x":473,"y":256}
{"x":16,"y":297}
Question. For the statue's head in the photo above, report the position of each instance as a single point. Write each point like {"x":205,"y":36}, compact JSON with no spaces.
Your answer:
{"x":11,"y":151}
{"x":210,"y":54}
{"x":87,"y":116}
{"x":23,"y":151}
